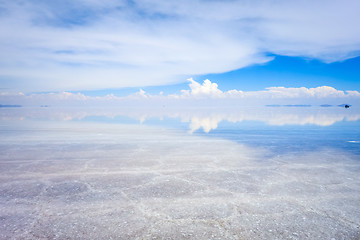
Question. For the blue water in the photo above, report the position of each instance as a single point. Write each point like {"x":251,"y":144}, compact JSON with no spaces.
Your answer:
{"x":279,"y":130}
{"x":291,"y":138}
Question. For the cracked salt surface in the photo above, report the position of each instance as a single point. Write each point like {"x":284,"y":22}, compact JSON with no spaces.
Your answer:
{"x":66,"y":180}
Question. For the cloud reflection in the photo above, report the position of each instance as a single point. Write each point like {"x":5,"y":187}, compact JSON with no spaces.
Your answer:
{"x":206,"y":119}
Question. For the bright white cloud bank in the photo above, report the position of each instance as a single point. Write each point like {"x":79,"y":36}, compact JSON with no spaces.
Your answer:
{"x":209,"y":89}
{"x":92,"y":44}
{"x":205,"y":94}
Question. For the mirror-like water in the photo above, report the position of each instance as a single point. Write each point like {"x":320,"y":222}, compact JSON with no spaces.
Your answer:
{"x":264,"y":173}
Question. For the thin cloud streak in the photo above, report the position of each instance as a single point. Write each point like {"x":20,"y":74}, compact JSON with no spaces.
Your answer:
{"x":83,"y":44}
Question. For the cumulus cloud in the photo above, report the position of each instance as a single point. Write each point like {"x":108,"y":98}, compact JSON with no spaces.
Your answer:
{"x":318,"y":92}
{"x":210,"y":90}
{"x":207,"y":89}
{"x":89,"y":44}
{"x":205,"y":94}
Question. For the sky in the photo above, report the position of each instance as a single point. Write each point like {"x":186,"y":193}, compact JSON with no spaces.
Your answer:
{"x":117,"y":47}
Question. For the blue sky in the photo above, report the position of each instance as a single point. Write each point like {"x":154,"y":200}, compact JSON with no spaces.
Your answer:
{"x":292,"y":72}
{"x":118,"y":46}
{"x":282,"y":71}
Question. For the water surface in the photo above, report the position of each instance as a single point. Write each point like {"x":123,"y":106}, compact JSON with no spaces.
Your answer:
{"x":245,"y":173}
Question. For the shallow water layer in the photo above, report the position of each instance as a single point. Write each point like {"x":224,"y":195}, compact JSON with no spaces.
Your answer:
{"x":88,"y":179}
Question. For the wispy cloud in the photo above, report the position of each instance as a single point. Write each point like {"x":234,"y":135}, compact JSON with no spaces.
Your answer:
{"x":90,"y":44}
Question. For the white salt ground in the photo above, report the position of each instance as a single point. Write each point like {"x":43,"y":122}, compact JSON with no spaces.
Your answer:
{"x":105,"y":181}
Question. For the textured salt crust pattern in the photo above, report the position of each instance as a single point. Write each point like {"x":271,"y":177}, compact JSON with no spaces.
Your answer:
{"x":88,"y":181}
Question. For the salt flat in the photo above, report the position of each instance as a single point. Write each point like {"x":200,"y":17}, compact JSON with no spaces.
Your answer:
{"x":84,"y":180}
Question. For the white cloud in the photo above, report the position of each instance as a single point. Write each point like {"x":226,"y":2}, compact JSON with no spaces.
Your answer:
{"x":89,"y":44}
{"x":141,"y":93}
{"x":318,"y":92}
{"x":205,"y":94}
{"x":353,"y":93}
{"x":209,"y":89}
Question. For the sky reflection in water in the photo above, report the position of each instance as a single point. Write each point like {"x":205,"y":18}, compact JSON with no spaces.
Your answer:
{"x":263,"y":173}
{"x":280,"y":128}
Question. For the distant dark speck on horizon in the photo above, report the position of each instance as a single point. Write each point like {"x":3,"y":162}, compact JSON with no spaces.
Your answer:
{"x":345,"y":105}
